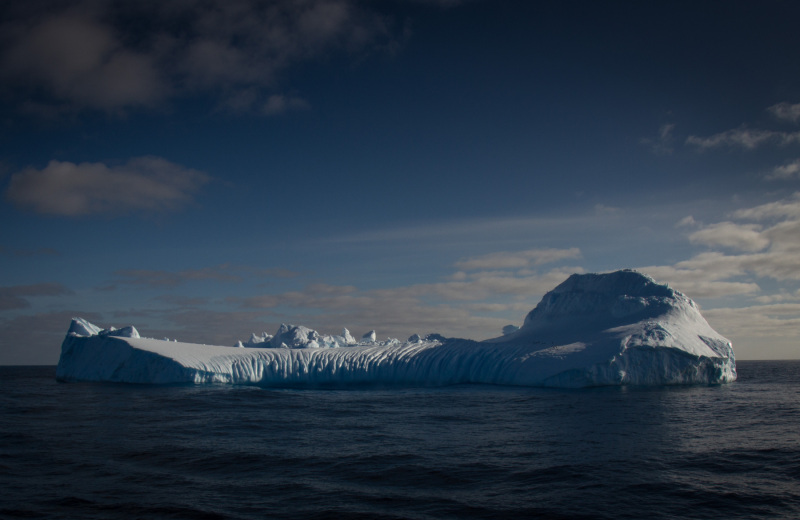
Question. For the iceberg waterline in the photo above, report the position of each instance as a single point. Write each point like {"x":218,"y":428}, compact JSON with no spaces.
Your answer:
{"x":593,"y":329}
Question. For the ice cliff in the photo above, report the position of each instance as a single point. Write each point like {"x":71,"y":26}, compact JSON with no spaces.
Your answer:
{"x":594,"y":329}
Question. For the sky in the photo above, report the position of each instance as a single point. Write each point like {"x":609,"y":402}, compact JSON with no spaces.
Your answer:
{"x":204,"y":170}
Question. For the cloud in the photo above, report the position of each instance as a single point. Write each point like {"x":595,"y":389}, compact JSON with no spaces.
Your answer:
{"x":786,"y":111}
{"x":780,"y":297}
{"x":16,"y":297}
{"x":511,"y":231}
{"x":699,"y":282}
{"x":397,"y":312}
{"x":453,"y":307}
{"x":759,"y":331}
{"x":779,"y":263}
{"x":143,"y":184}
{"x":788,"y":208}
{"x":487,"y":285}
{"x":750,"y":139}
{"x":687,"y":221}
{"x":662,"y":145}
{"x":517,"y":260}
{"x":156,"y":278}
{"x":785,"y":172}
{"x":602,"y":209}
{"x":116,"y":55}
{"x":81,"y":59}
{"x":744,"y":237}
{"x":775,"y":320}
{"x":765,"y":252}
{"x":277,"y":104}
{"x":744,"y":138}
{"x":221,"y":273}
{"x":461,"y":309}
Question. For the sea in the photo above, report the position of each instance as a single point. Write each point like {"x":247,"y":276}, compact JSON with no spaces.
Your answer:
{"x":108,"y":451}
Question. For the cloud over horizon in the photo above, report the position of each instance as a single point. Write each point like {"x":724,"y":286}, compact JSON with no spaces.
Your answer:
{"x":768,"y":249}
{"x":763,"y":244}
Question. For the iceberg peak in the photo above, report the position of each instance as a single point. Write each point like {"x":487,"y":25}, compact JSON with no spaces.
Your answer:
{"x":606,"y":300}
{"x":81,"y":327}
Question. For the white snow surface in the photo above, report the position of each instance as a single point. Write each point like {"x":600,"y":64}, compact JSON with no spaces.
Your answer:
{"x":593,"y":329}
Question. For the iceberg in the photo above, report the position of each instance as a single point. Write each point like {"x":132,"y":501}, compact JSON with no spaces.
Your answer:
{"x":618,"y":328}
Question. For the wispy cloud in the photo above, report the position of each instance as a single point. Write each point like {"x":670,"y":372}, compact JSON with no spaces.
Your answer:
{"x":786,"y":111}
{"x":143,"y":184}
{"x":744,"y":237}
{"x":517,"y":260}
{"x":156,"y":278}
{"x":687,"y":221}
{"x":663,"y":144}
{"x":278,"y":104}
{"x":780,"y":209}
{"x":485,"y":230}
{"x":604,"y":210}
{"x":767,"y":244}
{"x":743,"y":137}
{"x":750,"y":139}
{"x":760,"y":321}
{"x":779,"y":297}
{"x":787,"y":171}
{"x":698,"y":281}
{"x":221,"y":273}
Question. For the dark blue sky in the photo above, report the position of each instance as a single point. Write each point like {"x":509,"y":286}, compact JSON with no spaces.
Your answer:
{"x":205,"y":170}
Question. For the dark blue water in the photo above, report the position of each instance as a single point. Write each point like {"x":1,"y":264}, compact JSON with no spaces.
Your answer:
{"x":124,"y":451}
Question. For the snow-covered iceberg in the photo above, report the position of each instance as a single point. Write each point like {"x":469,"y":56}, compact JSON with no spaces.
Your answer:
{"x":594,"y":329}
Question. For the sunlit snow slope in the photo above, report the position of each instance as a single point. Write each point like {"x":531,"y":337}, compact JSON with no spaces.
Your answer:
{"x":593,"y":329}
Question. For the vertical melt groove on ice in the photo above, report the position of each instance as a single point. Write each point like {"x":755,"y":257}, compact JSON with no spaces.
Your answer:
{"x":614,"y":328}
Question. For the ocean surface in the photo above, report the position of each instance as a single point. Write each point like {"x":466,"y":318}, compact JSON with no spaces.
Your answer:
{"x":88,"y":450}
